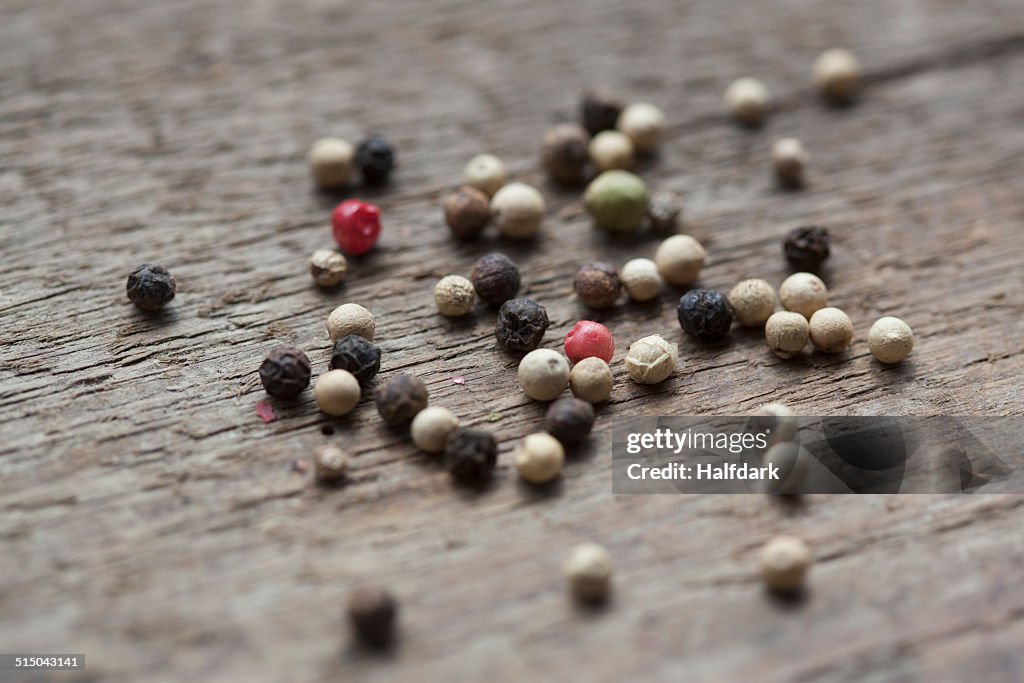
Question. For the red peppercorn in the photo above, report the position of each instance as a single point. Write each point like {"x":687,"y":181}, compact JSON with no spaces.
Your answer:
{"x":356,"y":226}
{"x":589,"y":339}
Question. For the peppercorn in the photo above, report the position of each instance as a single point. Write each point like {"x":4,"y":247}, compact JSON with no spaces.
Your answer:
{"x":610,"y":150}
{"x":372,"y":612}
{"x":356,"y":226}
{"x":753,"y":302}
{"x":454,"y":296}
{"x":470,"y":455}
{"x":150,"y":287}
{"x":330,"y":162}
{"x":803,"y":293}
{"x":569,"y":420}
{"x":521,"y":324}
{"x":704,"y":314}
{"x":789,"y":159}
{"x":375,"y":158}
{"x":837,"y":73}
{"x":806,"y":248}
{"x":330,"y":464}
{"x":831,"y":330}
{"x":486,"y":173}
{"x":431,"y":428}
{"x":792,"y":464}
{"x":787,"y":333}
{"x":644,"y":124}
{"x":564,"y":153}
{"x":337,"y":392}
{"x":327,"y":267}
{"x":651,"y":360}
{"x":543,"y":374}
{"x":358,"y":356}
{"x":597,"y":285}
{"x":587,"y":339}
{"x":495,"y":278}
{"x":599,"y":111}
{"x":350,"y":319}
{"x":778,"y":420}
{"x":890,"y":339}
{"x":285,"y":372}
{"x":680,"y":259}
{"x":589,"y":573}
{"x":617,"y":200}
{"x":748,"y":101}
{"x":400,"y":399}
{"x":640,"y":279}
{"x":784,"y":562}
{"x":664,"y":210}
{"x":539,"y":458}
{"x":467,"y":212}
{"x":517,"y":210}
{"x":591,"y":380}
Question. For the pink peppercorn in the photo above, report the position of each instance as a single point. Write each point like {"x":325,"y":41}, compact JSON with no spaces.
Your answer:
{"x":589,"y":339}
{"x":356,"y":226}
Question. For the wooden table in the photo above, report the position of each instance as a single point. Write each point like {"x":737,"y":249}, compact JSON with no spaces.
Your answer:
{"x":151,"y":521}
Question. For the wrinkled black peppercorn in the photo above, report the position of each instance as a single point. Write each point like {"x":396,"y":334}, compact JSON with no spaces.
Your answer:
{"x":495,"y":278}
{"x":807,"y":248}
{"x":599,"y":111}
{"x":375,"y":158}
{"x":598,"y":285}
{"x":285,"y":372}
{"x":150,"y":287}
{"x":358,"y":356}
{"x":372,"y":612}
{"x":470,"y":455}
{"x":705,"y":314}
{"x":521,"y":324}
{"x":400,"y":399}
{"x":569,"y":420}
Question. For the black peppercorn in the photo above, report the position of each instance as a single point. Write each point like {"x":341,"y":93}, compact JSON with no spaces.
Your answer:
{"x":807,"y":248}
{"x":375,"y":158}
{"x":495,"y":278}
{"x":564,"y":153}
{"x":399,"y":399}
{"x":521,"y":324}
{"x":597,"y":285}
{"x":372,"y":612}
{"x":470,"y":455}
{"x":705,"y":314}
{"x":285,"y":372}
{"x":599,"y":111}
{"x":358,"y":356}
{"x":150,"y":287}
{"x":569,"y":420}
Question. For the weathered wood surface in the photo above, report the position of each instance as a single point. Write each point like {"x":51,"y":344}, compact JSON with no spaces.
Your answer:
{"x":151,"y":521}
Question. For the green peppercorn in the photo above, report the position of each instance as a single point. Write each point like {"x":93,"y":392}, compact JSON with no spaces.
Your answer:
{"x":617,"y":200}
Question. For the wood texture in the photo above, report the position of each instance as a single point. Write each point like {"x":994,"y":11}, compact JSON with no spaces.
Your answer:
{"x":151,"y":521}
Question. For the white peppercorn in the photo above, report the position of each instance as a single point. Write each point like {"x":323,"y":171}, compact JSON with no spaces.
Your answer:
{"x":789,"y":159}
{"x":890,"y":339}
{"x":831,"y":330}
{"x":837,"y":73}
{"x":784,"y":563}
{"x":431,"y":428}
{"x":748,"y":101}
{"x":787,"y":333}
{"x":539,"y":458}
{"x":486,"y":173}
{"x":330,"y":161}
{"x":611,"y":149}
{"x":779,"y":420}
{"x":651,"y":360}
{"x":803,"y":293}
{"x":330,"y":463}
{"x":793,"y":465}
{"x":543,"y":374}
{"x":644,"y":124}
{"x":589,"y":572}
{"x":753,"y":302}
{"x":591,"y":380}
{"x":640,"y":278}
{"x":518,"y":209}
{"x":327,"y":267}
{"x":350,"y":319}
{"x":337,"y":392}
{"x":680,"y":259}
{"x":454,"y":296}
